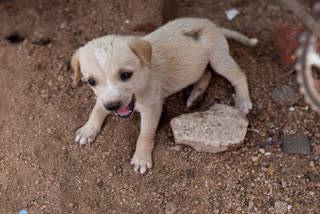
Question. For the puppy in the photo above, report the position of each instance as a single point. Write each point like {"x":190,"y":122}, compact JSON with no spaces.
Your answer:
{"x":129,"y":73}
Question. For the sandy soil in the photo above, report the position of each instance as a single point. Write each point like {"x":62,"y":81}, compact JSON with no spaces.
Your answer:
{"x":43,"y":171}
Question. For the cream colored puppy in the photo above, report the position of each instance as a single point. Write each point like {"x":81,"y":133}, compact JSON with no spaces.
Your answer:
{"x":130,"y":73}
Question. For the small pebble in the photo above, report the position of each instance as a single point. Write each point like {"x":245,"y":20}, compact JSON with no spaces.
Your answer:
{"x":255,"y":158}
{"x":171,"y":208}
{"x":280,"y":207}
{"x":177,"y":148}
{"x":267,"y":153}
{"x":311,"y":163}
{"x":60,"y":78}
{"x":316,"y":150}
{"x":216,"y":211}
{"x":50,"y":83}
{"x":63,"y":25}
{"x":272,"y":168}
{"x":251,"y":205}
{"x":284,"y":184}
{"x":262,"y":151}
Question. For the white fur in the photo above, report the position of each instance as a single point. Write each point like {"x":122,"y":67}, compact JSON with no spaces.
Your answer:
{"x":101,"y":55}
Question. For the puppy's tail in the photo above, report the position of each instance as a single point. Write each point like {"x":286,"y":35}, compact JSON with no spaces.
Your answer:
{"x":230,"y":34}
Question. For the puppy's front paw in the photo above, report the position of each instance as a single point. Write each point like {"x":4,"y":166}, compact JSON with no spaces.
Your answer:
{"x":86,"y":134}
{"x":141,"y":161}
{"x":244,"y":105}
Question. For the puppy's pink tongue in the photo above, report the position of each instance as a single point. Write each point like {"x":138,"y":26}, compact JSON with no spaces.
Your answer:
{"x":124,"y":111}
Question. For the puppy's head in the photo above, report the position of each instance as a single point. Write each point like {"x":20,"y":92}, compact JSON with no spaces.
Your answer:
{"x":116,"y":68}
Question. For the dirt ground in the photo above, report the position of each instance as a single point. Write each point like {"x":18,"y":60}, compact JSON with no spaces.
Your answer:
{"x":42,"y":170}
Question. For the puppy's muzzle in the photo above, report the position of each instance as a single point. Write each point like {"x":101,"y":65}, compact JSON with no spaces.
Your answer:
{"x":122,"y":111}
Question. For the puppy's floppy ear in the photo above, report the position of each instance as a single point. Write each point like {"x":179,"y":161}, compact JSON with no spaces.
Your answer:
{"x":75,"y":64}
{"x":142,"y":49}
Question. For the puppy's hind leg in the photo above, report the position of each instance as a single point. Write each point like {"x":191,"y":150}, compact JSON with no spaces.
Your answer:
{"x":224,"y":64}
{"x":199,"y":88}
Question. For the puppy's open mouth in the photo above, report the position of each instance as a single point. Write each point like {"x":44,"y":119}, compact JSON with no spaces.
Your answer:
{"x":128,"y":110}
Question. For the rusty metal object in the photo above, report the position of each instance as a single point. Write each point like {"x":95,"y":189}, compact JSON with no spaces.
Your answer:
{"x":308,"y":65}
{"x":308,"y":21}
{"x":308,"y":60}
{"x":286,"y":42}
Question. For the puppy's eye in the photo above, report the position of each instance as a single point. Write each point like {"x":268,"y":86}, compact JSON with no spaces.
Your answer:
{"x":125,"y":75}
{"x":92,"y":82}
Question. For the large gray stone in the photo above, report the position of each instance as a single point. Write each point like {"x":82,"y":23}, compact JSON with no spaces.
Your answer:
{"x":215,"y":130}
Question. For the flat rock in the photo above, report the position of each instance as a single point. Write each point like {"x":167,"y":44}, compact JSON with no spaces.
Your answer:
{"x":296,"y":144}
{"x":285,"y":96}
{"x":216,"y":130}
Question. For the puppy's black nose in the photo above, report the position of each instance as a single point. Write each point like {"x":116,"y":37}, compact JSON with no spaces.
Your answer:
{"x":112,"y":106}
